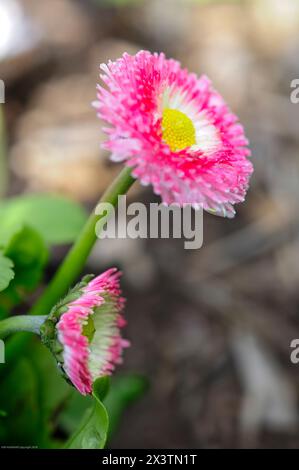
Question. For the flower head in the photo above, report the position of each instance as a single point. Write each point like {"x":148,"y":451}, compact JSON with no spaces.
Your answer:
{"x":175,"y":131}
{"x":83,"y":330}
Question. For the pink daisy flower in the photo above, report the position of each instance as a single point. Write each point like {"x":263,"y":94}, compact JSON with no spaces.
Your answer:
{"x":175,"y":131}
{"x":84,"y":330}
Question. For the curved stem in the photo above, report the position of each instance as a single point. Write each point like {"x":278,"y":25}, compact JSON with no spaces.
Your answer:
{"x":72,"y":265}
{"x":21,"y":323}
{"x":74,"y":262}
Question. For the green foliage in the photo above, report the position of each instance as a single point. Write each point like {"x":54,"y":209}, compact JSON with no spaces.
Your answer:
{"x":28,"y":225}
{"x":28,"y":254}
{"x":6,"y":271}
{"x":45,"y":409}
{"x":92,"y":434}
{"x":37,"y":406}
{"x":19,"y":402}
{"x":72,"y":413}
{"x":54,"y":390}
{"x":56,"y":218}
{"x":31,"y":395}
{"x":123,"y":392}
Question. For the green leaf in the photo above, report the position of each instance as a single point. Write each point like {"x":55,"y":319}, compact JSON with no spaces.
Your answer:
{"x":29,"y":254}
{"x":124,"y":390}
{"x":101,"y":387}
{"x":6,"y":271}
{"x":56,"y":218}
{"x":93,"y":431}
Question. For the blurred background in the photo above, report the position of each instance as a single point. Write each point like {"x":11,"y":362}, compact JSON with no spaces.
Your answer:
{"x":210,"y":328}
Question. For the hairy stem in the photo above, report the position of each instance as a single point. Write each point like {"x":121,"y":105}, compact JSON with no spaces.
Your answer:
{"x":72,"y":265}
{"x":30,"y":323}
{"x":75,"y":260}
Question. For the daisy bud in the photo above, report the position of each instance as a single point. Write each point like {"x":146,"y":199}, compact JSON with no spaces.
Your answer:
{"x":83,"y":331}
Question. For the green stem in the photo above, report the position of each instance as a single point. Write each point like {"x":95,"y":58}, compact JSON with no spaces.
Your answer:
{"x":21,"y":323}
{"x":75,"y":260}
{"x":3,"y":152}
{"x":71,"y":266}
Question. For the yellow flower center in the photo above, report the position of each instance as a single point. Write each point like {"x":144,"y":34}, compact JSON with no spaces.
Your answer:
{"x":178,"y":130}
